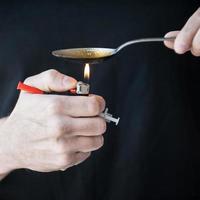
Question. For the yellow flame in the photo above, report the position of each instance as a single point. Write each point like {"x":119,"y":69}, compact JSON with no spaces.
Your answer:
{"x":87,"y":71}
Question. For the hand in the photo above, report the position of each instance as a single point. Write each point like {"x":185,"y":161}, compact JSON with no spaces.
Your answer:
{"x":188,"y":39}
{"x":51,"y":132}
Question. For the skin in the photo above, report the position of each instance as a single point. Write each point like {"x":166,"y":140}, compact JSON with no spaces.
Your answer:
{"x":188,"y":38}
{"x":50,"y":132}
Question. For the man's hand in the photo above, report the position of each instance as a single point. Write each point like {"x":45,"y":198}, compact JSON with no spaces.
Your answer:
{"x":188,"y":39}
{"x":51,"y":132}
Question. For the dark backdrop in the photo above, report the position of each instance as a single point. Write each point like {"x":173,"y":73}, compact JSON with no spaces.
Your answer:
{"x":154,"y":152}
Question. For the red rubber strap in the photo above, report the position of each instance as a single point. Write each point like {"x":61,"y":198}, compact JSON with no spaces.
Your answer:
{"x":27,"y":88}
{"x":73,"y":91}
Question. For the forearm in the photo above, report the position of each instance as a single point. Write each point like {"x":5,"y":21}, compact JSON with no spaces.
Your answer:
{"x":2,"y":120}
{"x":2,"y":173}
{"x":2,"y":176}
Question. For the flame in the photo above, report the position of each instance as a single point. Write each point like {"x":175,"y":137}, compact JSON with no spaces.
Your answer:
{"x":87,"y":71}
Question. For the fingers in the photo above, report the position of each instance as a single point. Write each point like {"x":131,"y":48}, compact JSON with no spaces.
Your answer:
{"x":188,"y":38}
{"x":87,"y":126}
{"x":170,"y":43}
{"x":60,"y":162}
{"x":67,"y":127}
{"x":80,"y":157}
{"x":79,"y":144}
{"x":86,"y":144}
{"x":75,"y":106}
{"x":51,"y":80}
{"x":66,"y":161}
{"x":196,"y":44}
{"x":72,"y":135}
{"x":184,"y":39}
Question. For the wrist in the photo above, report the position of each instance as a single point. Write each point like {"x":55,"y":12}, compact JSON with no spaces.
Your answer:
{"x":2,"y":176}
{"x":6,"y":166}
{"x":6,"y":163}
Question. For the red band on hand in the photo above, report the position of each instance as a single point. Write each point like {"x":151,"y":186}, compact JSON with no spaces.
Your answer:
{"x":73,"y":91}
{"x":30,"y":89}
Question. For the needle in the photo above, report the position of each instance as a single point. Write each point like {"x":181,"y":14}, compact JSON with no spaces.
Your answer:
{"x":109,"y":118}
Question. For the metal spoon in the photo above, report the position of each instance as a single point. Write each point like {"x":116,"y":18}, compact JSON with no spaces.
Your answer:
{"x":94,"y":55}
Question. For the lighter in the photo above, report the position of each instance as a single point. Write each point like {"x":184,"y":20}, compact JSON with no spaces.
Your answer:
{"x":81,"y":89}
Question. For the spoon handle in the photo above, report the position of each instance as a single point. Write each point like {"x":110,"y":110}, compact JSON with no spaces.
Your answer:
{"x":142,"y":40}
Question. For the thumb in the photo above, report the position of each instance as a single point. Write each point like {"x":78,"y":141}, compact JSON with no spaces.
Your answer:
{"x":170,"y":43}
{"x":51,"y":81}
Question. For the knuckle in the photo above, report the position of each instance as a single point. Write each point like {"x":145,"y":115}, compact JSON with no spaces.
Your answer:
{"x":60,"y":147}
{"x":94,"y":106}
{"x":57,"y":126}
{"x":54,"y":106}
{"x":64,"y":160}
{"x":51,"y":73}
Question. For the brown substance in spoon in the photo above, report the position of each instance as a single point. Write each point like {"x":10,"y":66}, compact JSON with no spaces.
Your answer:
{"x":84,"y":53}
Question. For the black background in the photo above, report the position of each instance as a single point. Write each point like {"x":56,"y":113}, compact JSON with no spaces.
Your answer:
{"x":154,"y":152}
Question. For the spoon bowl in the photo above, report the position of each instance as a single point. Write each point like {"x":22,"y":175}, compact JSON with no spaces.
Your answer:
{"x":90,"y":55}
{"x":94,"y":55}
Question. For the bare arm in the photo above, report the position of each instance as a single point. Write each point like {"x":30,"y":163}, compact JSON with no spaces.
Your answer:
{"x":2,"y":174}
{"x":50,"y":132}
{"x":2,"y":120}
